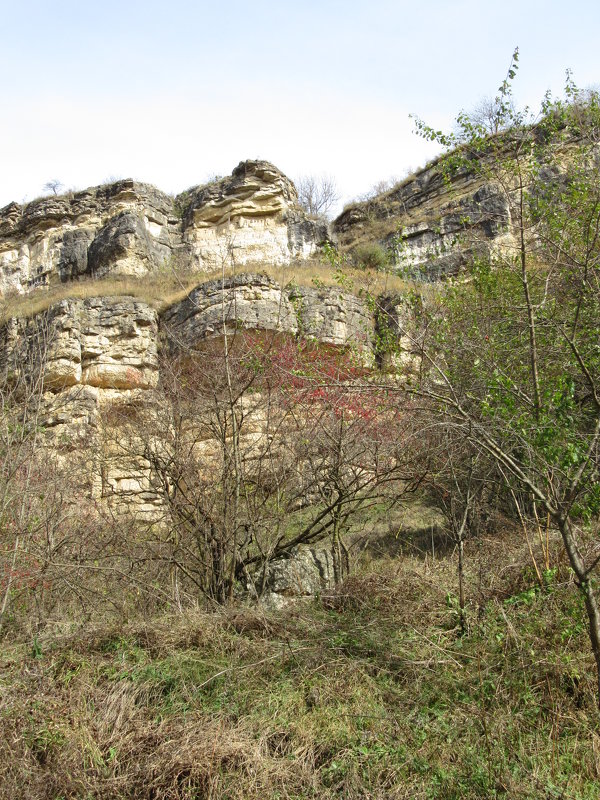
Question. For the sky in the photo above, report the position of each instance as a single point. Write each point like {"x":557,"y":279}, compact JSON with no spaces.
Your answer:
{"x":173,"y":93}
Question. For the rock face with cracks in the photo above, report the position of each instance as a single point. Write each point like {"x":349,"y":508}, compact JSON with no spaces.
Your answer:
{"x":131,"y":228}
{"x":122,"y":228}
{"x":257,"y":302}
{"x":249,"y":217}
{"x":97,"y":358}
{"x":108,"y":343}
{"x":431,"y":228}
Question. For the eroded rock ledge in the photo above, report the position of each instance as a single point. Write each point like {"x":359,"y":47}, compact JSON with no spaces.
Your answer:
{"x":113,"y":342}
{"x":430,"y":227}
{"x":132,"y":228}
{"x":105,"y":342}
{"x":258,"y":302}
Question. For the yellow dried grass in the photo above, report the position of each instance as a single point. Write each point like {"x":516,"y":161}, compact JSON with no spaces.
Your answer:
{"x":163,"y":289}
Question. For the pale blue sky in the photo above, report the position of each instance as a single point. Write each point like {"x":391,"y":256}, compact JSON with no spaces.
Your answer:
{"x":171,"y":93}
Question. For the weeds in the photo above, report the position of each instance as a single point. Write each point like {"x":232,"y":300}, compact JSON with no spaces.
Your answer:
{"x":370,"y":692}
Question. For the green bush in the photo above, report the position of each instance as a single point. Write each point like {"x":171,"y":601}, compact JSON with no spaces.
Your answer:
{"x":371,"y":256}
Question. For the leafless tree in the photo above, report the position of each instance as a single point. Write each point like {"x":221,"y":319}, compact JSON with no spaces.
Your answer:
{"x":42,"y":499}
{"x":53,"y":186}
{"x":258,"y":446}
{"x":381,"y":187}
{"x":317,"y":194}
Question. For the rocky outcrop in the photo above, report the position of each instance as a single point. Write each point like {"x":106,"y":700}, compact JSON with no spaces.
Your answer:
{"x":249,"y":217}
{"x":257,"y":302}
{"x":131,"y":228}
{"x":72,"y":368}
{"x":91,"y":364}
{"x":332,"y":316}
{"x":112,"y":342}
{"x":125,"y":246}
{"x":467,"y":203}
{"x":50,"y":239}
{"x":430,"y":227}
{"x":242,"y":301}
{"x":108,"y":343}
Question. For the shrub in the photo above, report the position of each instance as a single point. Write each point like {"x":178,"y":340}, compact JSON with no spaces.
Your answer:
{"x":371,"y":255}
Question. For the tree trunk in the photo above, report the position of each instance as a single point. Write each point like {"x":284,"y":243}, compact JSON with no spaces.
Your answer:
{"x":585,"y":586}
{"x":461,"y":587}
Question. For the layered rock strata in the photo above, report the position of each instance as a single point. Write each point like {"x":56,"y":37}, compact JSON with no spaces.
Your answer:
{"x":90,"y":364}
{"x":112,"y":342}
{"x":103,"y":342}
{"x":75,"y":367}
{"x":131,"y":228}
{"x":429,"y":227}
{"x":122,"y":228}
{"x":249,"y":217}
{"x":258,"y":302}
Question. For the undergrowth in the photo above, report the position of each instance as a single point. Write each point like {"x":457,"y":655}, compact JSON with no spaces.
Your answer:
{"x":368,"y":692}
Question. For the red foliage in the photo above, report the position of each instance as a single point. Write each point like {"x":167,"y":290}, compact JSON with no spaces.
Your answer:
{"x":334,"y":379}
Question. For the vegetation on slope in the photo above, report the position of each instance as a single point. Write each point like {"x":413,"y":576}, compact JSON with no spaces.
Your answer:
{"x":407,"y":681}
{"x":169,"y":287}
{"x":368,"y":692}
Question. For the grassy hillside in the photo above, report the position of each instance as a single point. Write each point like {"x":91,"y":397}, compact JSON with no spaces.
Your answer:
{"x":369,"y":692}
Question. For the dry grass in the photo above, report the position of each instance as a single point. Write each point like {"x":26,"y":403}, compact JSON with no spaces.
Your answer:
{"x":162,"y":290}
{"x":159,"y":290}
{"x":369,"y":693}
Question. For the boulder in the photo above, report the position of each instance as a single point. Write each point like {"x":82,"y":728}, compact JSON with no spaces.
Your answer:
{"x":305,"y":572}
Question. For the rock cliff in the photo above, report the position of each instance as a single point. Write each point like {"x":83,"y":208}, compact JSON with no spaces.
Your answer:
{"x":251,"y":216}
{"x":131,"y":228}
{"x":105,"y":342}
{"x":124,"y":228}
{"x":113,"y":342}
{"x":86,"y":363}
{"x":428,"y":225}
{"x":257,"y":302}
{"x":92,"y":363}
{"x":102,"y":376}
{"x":467,"y":202}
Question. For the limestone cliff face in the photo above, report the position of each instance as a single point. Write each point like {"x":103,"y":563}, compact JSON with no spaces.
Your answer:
{"x":131,"y":228}
{"x":87,"y":364}
{"x":104,"y":342}
{"x":245,"y":300}
{"x":123,"y":228}
{"x":249,"y":217}
{"x":112,"y":343}
{"x":431,"y":227}
{"x":258,"y":302}
{"x":71,"y":366}
{"x":332,"y":316}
